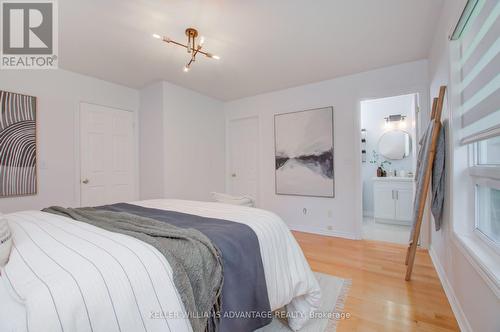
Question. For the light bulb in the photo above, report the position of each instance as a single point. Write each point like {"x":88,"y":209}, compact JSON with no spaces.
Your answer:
{"x":157,"y":36}
{"x":186,"y":69}
{"x":202,"y":41}
{"x":211,"y":56}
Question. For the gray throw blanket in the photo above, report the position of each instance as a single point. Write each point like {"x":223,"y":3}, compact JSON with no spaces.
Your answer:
{"x":196,"y":263}
{"x":244,"y":300}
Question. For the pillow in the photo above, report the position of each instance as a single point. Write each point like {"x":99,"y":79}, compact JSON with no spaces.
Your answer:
{"x":234,"y":200}
{"x":5,"y":241}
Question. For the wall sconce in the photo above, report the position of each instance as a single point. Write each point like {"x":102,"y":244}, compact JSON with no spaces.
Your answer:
{"x":394,"y":119}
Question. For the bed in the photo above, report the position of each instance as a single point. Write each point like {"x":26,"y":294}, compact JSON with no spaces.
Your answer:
{"x":62,"y":273}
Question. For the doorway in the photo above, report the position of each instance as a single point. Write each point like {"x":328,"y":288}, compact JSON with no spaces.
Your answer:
{"x":388,"y":142}
{"x":107,"y":155}
{"x":243,"y":152}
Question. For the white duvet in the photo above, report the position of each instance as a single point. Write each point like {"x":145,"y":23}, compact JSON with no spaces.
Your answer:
{"x":64,"y":275}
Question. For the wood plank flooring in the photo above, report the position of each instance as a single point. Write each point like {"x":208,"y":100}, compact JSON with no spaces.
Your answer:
{"x":380,"y":299}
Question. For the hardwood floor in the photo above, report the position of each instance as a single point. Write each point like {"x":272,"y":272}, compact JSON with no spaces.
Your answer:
{"x":380,"y":299}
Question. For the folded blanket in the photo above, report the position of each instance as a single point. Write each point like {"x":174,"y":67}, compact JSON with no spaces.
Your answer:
{"x":196,"y":263}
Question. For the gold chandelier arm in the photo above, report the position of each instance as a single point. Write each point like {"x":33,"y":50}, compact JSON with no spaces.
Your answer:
{"x":193,"y":56}
{"x":166,"y":40}
{"x":195,"y":52}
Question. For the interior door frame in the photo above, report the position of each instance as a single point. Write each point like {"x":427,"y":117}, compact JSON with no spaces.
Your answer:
{"x":77,"y":148}
{"x":228,"y":152}
{"x":421,"y":108}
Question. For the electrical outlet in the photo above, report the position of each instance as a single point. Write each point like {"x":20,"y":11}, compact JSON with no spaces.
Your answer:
{"x":330,"y":228}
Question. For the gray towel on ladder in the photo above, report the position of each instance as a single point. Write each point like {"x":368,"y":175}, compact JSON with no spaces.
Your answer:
{"x":439,"y":179}
{"x":438,"y":176}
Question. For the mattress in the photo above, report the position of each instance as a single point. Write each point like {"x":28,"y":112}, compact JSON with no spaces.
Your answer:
{"x":68,"y":275}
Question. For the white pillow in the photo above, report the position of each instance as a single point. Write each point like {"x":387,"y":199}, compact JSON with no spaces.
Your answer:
{"x":234,"y":200}
{"x":5,"y":241}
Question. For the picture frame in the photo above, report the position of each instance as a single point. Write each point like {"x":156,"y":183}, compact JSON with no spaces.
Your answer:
{"x":18,"y":144}
{"x":304,"y":153}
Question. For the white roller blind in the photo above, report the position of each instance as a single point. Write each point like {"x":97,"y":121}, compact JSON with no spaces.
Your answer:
{"x":479,"y":65}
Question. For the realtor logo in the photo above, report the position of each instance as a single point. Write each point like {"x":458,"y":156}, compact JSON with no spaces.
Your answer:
{"x":29,"y":34}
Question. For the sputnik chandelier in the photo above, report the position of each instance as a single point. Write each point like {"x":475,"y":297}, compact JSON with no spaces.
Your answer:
{"x":192,"y":46}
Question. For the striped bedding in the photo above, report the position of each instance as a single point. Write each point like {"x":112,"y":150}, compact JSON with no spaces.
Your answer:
{"x":64,"y":275}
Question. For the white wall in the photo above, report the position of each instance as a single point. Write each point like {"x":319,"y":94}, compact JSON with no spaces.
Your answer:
{"x":194,"y":144}
{"x":182,"y":143}
{"x":373,"y":113}
{"x":342,"y":214}
{"x":474,"y":303}
{"x":59,"y":93}
{"x":151,"y":142}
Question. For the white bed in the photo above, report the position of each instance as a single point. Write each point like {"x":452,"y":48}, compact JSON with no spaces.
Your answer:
{"x":71,"y":276}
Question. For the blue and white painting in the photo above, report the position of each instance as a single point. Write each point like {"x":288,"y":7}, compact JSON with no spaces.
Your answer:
{"x":304,"y":153}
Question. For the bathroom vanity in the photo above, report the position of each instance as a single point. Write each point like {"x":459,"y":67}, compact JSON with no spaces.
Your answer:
{"x":393,"y":200}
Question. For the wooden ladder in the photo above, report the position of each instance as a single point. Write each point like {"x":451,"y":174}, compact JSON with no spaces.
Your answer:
{"x":437,"y":108}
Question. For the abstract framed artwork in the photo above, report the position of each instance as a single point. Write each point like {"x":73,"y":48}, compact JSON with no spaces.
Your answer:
{"x":304,"y":163}
{"x":18,"y":150}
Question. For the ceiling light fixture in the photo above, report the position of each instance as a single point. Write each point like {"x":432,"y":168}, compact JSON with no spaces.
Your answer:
{"x":191,"y":46}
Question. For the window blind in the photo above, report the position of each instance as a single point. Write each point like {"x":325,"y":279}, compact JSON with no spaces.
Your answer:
{"x":479,"y":63}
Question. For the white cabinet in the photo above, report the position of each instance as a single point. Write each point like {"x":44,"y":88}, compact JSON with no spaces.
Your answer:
{"x":393,"y":200}
{"x":384,"y":202}
{"x":404,"y":204}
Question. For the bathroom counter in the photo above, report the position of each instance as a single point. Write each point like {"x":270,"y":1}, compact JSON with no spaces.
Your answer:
{"x":393,"y":178}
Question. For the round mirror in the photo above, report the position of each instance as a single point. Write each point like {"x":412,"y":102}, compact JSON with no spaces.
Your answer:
{"x":395,"y":144}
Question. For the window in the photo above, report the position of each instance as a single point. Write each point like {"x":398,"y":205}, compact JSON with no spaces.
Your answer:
{"x":485,"y":174}
{"x":475,"y":51}
{"x":488,"y":212}
{"x":489,"y":152}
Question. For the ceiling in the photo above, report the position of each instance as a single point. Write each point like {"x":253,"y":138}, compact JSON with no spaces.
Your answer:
{"x":264,"y":45}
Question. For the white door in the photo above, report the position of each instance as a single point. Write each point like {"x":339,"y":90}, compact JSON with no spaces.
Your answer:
{"x":107,"y":147}
{"x":243,"y":156}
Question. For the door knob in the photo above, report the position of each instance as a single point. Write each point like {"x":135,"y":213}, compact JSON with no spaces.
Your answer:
{"x":233,"y":175}
{"x":85,"y":181}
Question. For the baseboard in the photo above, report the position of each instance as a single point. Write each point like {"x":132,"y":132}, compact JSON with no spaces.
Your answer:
{"x":463,"y":323}
{"x":321,"y":231}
